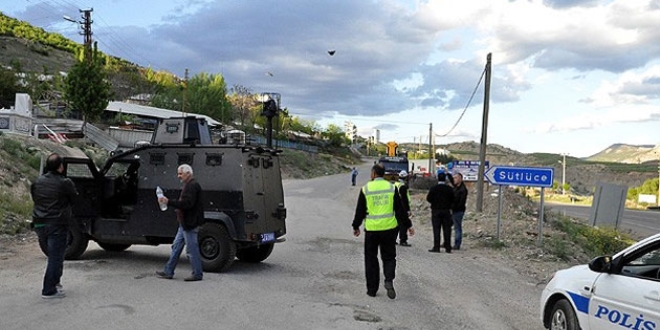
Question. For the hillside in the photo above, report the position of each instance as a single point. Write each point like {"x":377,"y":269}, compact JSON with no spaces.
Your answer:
{"x":625,"y":153}
{"x":34,"y":56}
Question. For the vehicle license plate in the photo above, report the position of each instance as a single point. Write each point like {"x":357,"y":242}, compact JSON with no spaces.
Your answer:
{"x":267,"y":237}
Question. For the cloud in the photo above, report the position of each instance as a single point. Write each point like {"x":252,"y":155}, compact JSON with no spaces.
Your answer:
{"x":386,"y":127}
{"x":392,"y":57}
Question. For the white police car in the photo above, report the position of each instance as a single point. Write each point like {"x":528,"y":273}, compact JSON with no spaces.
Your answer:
{"x":619,"y":292}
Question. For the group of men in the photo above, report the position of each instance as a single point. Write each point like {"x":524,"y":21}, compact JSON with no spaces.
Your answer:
{"x":54,"y":194}
{"x":384,"y":208}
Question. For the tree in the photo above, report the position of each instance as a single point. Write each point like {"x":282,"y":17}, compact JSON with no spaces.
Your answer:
{"x":207,"y":94}
{"x":335,"y":135}
{"x":242,"y":100}
{"x":9,"y":86}
{"x":203,"y":93}
{"x":86,"y":87}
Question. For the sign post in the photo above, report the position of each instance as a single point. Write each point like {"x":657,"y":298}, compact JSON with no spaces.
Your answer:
{"x":521,"y":176}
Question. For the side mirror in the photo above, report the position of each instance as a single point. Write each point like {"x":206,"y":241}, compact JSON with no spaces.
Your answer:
{"x":601,"y":264}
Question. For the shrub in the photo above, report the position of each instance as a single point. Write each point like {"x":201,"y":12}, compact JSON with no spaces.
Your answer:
{"x":593,"y":240}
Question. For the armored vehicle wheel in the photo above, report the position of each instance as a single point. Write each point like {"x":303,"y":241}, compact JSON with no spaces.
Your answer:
{"x":257,"y":253}
{"x":75,"y":246}
{"x":113,"y":247}
{"x":216,"y":248}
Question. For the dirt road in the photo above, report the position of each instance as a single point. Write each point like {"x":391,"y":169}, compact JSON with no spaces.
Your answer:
{"x":315,"y":280}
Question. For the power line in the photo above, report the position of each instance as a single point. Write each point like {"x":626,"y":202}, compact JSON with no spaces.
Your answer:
{"x":466,"y":106}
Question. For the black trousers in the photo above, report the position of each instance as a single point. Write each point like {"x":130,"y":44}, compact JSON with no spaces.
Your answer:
{"x":442,"y":222}
{"x":386,"y":242}
{"x":403,"y":234}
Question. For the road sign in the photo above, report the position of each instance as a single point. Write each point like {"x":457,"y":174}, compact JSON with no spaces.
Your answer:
{"x":469,"y":168}
{"x":520,"y":176}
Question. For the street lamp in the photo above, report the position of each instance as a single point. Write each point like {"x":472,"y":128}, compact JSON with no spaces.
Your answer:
{"x":563,"y":174}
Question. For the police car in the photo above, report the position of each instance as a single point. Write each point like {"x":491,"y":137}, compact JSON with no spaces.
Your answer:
{"x":618,"y":292}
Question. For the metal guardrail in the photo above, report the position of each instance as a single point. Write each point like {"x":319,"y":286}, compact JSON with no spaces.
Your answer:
{"x":256,"y":139}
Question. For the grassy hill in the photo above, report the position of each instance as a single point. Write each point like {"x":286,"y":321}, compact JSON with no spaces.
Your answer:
{"x":625,"y":153}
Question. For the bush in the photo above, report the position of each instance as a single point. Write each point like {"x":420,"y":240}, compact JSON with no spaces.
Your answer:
{"x":593,"y":240}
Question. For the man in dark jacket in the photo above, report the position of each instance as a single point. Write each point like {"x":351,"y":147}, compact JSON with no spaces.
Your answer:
{"x":458,"y":209}
{"x":441,"y":197}
{"x":190,"y":214}
{"x":53,"y":195}
{"x":379,"y":206}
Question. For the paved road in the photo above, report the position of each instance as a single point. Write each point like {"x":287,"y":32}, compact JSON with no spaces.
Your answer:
{"x":315,"y":280}
{"x":644,"y":223}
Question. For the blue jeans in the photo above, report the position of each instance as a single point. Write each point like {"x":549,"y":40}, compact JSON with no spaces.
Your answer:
{"x":54,"y":237}
{"x":458,"y":228}
{"x":189,"y":239}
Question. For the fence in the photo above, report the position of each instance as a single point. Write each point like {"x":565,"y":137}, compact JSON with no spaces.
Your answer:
{"x":256,"y":139}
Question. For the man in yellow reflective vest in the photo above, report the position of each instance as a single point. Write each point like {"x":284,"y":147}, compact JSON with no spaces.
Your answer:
{"x":380,"y":207}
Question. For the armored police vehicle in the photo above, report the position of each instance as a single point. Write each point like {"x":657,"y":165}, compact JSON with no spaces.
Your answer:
{"x":242,"y":186}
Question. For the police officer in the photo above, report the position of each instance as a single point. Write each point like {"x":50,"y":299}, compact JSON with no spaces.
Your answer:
{"x":379,"y":206}
{"x":404,"y":193}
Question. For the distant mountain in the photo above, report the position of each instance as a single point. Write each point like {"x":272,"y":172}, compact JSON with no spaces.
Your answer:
{"x":628,"y":154}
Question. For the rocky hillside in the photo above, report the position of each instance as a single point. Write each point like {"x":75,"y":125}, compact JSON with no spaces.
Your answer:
{"x":34,"y":56}
{"x":625,"y":153}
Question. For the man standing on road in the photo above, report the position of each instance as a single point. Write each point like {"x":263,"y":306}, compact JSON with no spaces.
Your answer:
{"x":354,"y":174}
{"x":53,"y":195}
{"x":379,"y":206}
{"x":404,"y":193}
{"x":190,"y":214}
{"x":441,"y":197}
{"x":458,"y":209}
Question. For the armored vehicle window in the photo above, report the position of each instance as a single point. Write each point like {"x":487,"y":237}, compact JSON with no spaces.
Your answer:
{"x":185,"y":158}
{"x":157,"y":158}
{"x":118,"y":169}
{"x":213,"y":159}
{"x":78,"y":171}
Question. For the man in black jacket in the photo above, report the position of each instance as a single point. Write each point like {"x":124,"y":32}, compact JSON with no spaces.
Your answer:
{"x":458,"y":209}
{"x":190,"y":214}
{"x":53,"y":195}
{"x":441,"y":197}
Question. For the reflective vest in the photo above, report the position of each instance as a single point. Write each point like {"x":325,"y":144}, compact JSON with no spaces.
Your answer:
{"x":398,"y":185}
{"x":380,"y":205}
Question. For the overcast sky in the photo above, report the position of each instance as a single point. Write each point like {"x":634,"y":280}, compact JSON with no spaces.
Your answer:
{"x":568,"y":76}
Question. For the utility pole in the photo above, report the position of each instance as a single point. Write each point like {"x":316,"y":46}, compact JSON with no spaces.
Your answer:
{"x":86,"y":26}
{"x":563,"y":175}
{"x":431,"y":154}
{"x":484,"y":135}
{"x":185,"y":91}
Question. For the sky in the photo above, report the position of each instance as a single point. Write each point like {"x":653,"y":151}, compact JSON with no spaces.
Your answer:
{"x":567,"y":76}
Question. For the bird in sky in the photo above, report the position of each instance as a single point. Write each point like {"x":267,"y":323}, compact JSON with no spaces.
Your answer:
{"x":331,"y":52}
{"x":269,"y":73}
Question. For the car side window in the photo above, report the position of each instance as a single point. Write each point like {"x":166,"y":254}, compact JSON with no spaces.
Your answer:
{"x":645,"y":264}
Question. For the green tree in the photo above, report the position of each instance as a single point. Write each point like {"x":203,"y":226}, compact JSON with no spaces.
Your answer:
{"x":242,"y":100}
{"x":335,"y":135}
{"x":9,"y":86}
{"x":86,"y":87}
{"x":207,"y":94}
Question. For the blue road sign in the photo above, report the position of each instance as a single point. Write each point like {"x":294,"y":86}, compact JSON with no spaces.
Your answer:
{"x":520,"y":176}
{"x":469,"y":168}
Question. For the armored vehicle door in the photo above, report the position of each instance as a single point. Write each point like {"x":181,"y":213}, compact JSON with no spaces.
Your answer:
{"x":86,"y":177}
{"x":264,"y":197}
